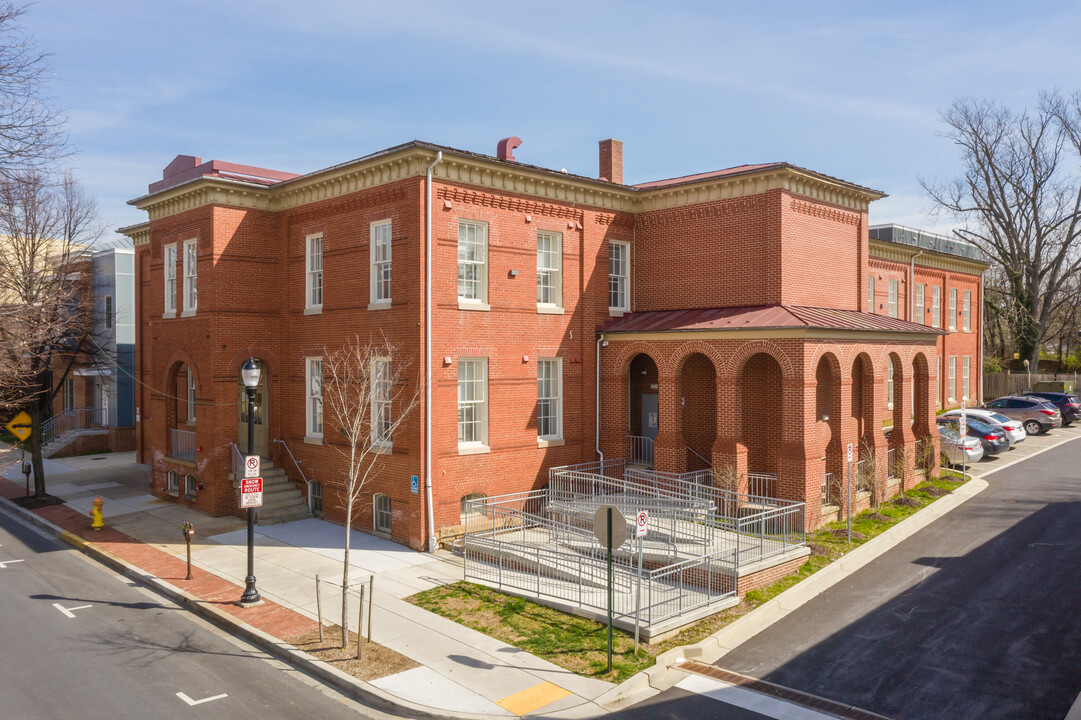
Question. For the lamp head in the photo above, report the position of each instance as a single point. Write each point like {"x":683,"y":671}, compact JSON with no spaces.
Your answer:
{"x":249,"y":372}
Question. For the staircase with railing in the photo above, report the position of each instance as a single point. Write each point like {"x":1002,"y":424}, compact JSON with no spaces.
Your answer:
{"x":60,"y":430}
{"x":282,"y":502}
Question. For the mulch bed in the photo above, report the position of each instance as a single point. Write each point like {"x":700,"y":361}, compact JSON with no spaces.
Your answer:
{"x":879,"y":517}
{"x":906,"y":502}
{"x":843,"y":533}
{"x":375,"y":661}
{"x":37,"y":501}
{"x":818,"y":550}
{"x":936,"y":491}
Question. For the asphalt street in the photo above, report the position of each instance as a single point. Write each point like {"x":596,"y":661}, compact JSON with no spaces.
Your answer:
{"x":80,"y":641}
{"x":975,"y":616}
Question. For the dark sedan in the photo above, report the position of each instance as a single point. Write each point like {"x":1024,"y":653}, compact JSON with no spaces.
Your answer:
{"x":993,"y":439}
{"x":1066,"y":403}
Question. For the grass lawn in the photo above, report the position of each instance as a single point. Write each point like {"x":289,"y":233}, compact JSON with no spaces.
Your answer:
{"x":580,"y":645}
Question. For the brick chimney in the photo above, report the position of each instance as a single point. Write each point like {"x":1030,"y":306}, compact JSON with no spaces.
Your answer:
{"x":612,"y":161}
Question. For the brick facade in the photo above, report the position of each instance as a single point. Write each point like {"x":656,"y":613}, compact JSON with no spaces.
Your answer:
{"x":751,"y":237}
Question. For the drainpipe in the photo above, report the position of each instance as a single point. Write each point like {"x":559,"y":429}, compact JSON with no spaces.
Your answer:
{"x":912,"y":287}
{"x":597,"y":407}
{"x":432,"y":545}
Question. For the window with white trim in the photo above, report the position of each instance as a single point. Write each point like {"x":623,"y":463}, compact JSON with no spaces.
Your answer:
{"x":191,"y":397}
{"x":952,"y":318}
{"x":619,"y":264}
{"x":191,"y":275}
{"x":172,"y":483}
{"x":313,"y":383}
{"x":952,"y":386}
{"x":891,"y":307}
{"x":549,"y":269}
{"x":190,"y":486}
{"x":919,"y":314}
{"x":381,"y":402}
{"x":169,"y":253}
{"x":966,"y":363}
{"x":871,"y":294}
{"x":936,"y":306}
{"x":550,"y":398}
{"x":313,"y":272}
{"x":382,"y":513}
{"x":472,"y":402}
{"x":889,"y":383}
{"x":966,"y":312}
{"x":938,"y":384}
{"x":69,"y":393}
{"x":472,"y":505}
{"x":472,"y":261}
{"x":379,"y":235}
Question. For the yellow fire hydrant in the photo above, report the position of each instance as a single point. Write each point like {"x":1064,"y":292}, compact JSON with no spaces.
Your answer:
{"x":96,"y":520}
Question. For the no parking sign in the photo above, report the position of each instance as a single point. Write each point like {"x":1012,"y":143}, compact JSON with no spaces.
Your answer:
{"x":641,"y":523}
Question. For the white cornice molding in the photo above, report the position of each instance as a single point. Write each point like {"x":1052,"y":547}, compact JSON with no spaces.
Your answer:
{"x":139,"y":234}
{"x":892,"y":252}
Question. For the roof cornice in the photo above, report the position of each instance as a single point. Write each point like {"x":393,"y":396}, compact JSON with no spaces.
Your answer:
{"x":139,"y":233}
{"x":886,"y":250}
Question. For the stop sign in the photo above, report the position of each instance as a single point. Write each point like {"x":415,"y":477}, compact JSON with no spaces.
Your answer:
{"x":619,"y":526}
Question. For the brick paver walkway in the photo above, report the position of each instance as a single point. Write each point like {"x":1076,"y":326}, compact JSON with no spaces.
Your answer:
{"x":268,"y":616}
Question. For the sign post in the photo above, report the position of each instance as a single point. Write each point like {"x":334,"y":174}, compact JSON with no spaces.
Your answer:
{"x":610,"y":528}
{"x":849,"y":513}
{"x":641,"y":525}
{"x":962,"y":430}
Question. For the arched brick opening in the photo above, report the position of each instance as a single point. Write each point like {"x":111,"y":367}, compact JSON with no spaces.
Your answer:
{"x":828,"y":413}
{"x":921,"y":384}
{"x":762,"y":417}
{"x":177,"y":411}
{"x":899,"y":396}
{"x":644,"y":408}
{"x":698,"y":401}
{"x":262,"y":411}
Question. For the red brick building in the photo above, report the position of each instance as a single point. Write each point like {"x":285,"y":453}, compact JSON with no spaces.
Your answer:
{"x":723,"y":316}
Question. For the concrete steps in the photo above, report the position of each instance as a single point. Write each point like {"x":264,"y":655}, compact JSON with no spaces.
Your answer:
{"x":282,"y":502}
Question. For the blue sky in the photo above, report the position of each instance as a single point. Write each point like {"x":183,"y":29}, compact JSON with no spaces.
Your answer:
{"x":850,"y":89}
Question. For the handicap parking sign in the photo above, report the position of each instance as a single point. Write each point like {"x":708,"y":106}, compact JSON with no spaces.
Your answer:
{"x":414,"y":484}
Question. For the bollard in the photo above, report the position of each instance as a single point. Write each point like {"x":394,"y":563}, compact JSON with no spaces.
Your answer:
{"x":96,"y":520}
{"x":189,"y":533}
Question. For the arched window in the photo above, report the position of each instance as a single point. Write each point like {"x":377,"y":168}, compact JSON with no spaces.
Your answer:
{"x":189,"y":487}
{"x":471,"y":507}
{"x":172,"y":483}
{"x":382,"y":513}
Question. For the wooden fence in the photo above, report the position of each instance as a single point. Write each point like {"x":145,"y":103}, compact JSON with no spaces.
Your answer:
{"x":1003,"y":383}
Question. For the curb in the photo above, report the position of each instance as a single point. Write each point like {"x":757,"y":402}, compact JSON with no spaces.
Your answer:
{"x":349,"y":686}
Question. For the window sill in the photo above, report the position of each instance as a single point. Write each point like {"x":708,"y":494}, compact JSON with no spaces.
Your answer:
{"x":543,"y":309}
{"x":473,"y":305}
{"x":169,"y":315}
{"x":187,"y":313}
{"x":190,"y":423}
{"x":316,"y":310}
{"x":383,"y":449}
{"x":474,"y":449}
{"x":172,"y":493}
{"x":616,"y":312}
{"x":379,"y":305}
{"x":313,"y":440}
{"x":550,"y":442}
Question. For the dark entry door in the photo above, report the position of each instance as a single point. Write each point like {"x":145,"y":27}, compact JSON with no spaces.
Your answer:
{"x":650,"y":423}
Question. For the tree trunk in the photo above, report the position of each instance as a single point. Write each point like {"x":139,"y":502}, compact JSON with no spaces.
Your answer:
{"x":35,"y":450}
{"x":345,"y":575}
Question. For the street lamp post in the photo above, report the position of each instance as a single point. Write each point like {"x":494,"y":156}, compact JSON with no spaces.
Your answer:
{"x":249,"y":372}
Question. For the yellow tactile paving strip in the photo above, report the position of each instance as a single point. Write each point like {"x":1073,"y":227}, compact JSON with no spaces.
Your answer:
{"x":532,"y":698}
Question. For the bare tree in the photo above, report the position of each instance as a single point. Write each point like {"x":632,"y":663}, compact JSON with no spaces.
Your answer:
{"x":366,"y":394}
{"x":45,"y":301}
{"x":1020,"y":197}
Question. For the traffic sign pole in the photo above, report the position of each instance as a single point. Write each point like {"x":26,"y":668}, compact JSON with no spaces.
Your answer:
{"x":609,"y":589}
{"x":849,"y":493}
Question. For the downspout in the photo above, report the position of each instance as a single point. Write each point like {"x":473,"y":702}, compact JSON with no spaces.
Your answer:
{"x":597,"y":407}
{"x":912,"y":287}
{"x":432,"y":544}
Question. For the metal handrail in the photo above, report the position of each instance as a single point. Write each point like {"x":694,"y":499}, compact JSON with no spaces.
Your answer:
{"x":296,"y":462}
{"x":67,"y":421}
{"x":641,"y":448}
{"x":707,"y":462}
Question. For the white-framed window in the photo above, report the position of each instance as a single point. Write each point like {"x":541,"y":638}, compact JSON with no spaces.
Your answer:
{"x":191,"y":397}
{"x":472,"y":261}
{"x":108,"y":310}
{"x":172,"y":483}
{"x":936,"y":306}
{"x":190,"y":486}
{"x":619,"y":266}
{"x":952,"y":319}
{"x":313,"y":384}
{"x":889,"y":383}
{"x":381,"y":395}
{"x":966,"y":364}
{"x":951,"y":388}
{"x":871,"y":294}
{"x":313,"y":272}
{"x":550,"y":398}
{"x":169,"y":254}
{"x":891,"y":307}
{"x":471,"y":505}
{"x":472,"y":403}
{"x":549,"y":269}
{"x":382,"y":513}
{"x":379,"y":234}
{"x":69,"y":393}
{"x":919,"y":314}
{"x":191,"y":275}
{"x":966,"y":312}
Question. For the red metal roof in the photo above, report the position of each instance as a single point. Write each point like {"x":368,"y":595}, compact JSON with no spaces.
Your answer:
{"x":760,"y":317}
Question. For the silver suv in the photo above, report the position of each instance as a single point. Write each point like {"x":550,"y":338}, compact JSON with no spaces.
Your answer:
{"x":1035,"y":415}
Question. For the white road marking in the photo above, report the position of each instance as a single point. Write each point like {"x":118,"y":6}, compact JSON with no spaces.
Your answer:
{"x":189,"y":701}
{"x":748,"y":699}
{"x":68,"y":611}
{"x":4,"y":564}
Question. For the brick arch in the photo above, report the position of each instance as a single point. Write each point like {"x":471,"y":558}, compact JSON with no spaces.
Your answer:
{"x":682,"y":353}
{"x":751,"y":348}
{"x":269,"y":359}
{"x":632,"y":350}
{"x":172,"y":367}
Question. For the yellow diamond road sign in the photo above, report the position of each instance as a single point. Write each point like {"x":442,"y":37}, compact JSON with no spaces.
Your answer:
{"x":19,"y":426}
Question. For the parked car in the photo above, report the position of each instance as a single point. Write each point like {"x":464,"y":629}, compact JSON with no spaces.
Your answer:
{"x":992,"y":439}
{"x":956,"y":448}
{"x":1014,"y":431}
{"x":1066,"y":403}
{"x":1034,"y":413}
